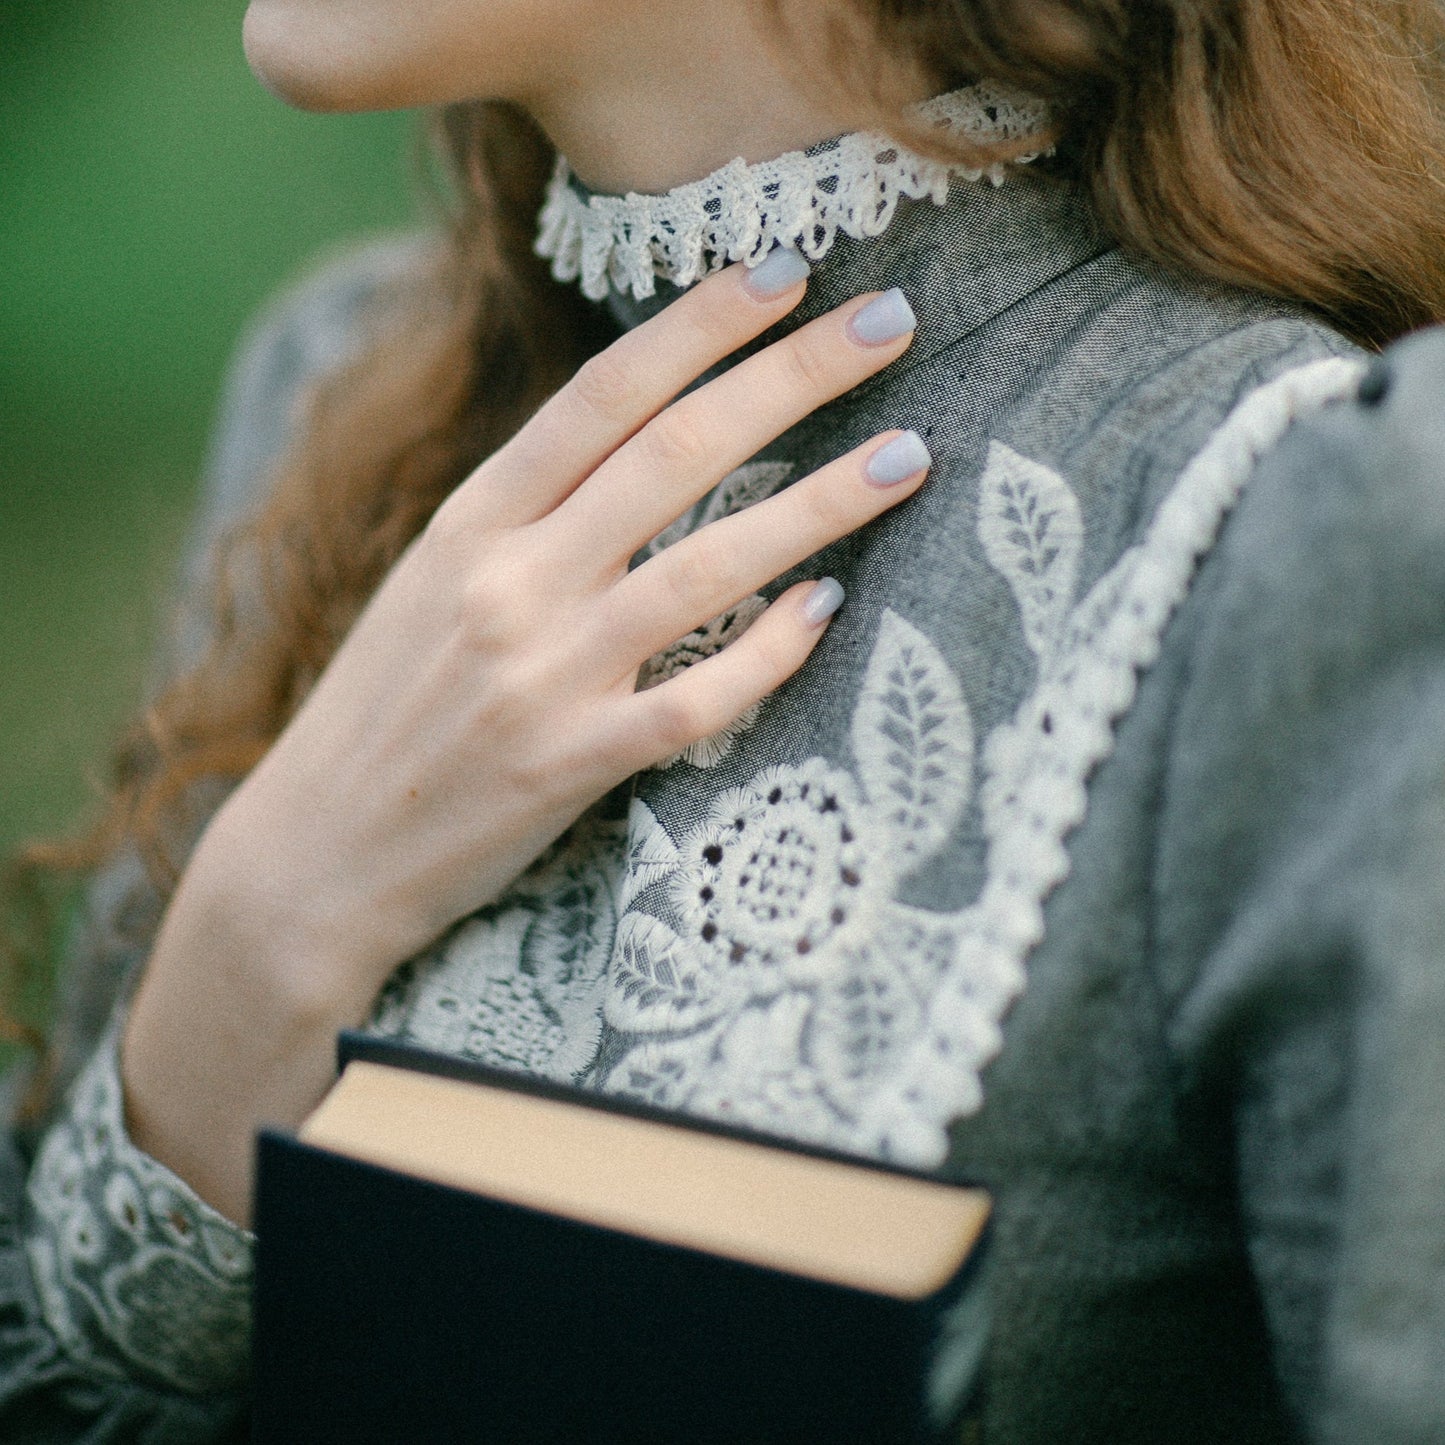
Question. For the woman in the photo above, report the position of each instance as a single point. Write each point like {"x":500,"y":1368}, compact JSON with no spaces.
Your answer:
{"x":536,"y":742}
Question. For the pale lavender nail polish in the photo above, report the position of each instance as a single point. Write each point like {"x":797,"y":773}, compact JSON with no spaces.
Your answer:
{"x":779,"y":271}
{"x":885,"y":318}
{"x":905,"y":456}
{"x":823,"y":601}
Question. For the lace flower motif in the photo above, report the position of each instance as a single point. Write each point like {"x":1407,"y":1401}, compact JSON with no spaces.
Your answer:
{"x":794,"y":981}
{"x":698,"y":646}
{"x":740,"y":212}
{"x":775,"y":876}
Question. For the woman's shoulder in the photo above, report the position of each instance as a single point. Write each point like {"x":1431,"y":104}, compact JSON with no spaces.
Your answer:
{"x":1301,"y":818}
{"x":310,"y":328}
{"x":1332,"y":561}
{"x":1159,"y":365}
{"x":1355,"y":491}
{"x":1312,"y":647}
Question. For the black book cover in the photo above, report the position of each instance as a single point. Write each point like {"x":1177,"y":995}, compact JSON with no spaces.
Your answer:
{"x":394,"y":1309}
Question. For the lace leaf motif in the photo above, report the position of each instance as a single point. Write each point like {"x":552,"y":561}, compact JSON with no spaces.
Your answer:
{"x":655,"y":986}
{"x":859,"y":1021}
{"x":1032,"y":532}
{"x":651,"y":854}
{"x":699,"y":645}
{"x":744,"y":487}
{"x":913,"y":740}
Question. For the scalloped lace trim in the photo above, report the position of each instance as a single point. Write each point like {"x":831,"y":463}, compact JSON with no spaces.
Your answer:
{"x":740,"y":212}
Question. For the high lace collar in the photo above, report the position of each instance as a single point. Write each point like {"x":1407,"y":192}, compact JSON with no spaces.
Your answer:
{"x":623,"y":244}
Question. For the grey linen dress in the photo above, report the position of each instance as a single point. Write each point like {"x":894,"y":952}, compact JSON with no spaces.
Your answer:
{"x":1095,"y":855}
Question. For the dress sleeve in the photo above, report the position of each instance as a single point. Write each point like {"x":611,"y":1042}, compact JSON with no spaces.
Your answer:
{"x":1300,"y":896}
{"x":124,"y":1298}
{"x":48,"y":1395}
{"x":121,"y":1251}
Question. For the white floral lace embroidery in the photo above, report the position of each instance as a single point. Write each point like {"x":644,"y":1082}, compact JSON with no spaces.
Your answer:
{"x":132,"y":1268}
{"x":764,"y":968}
{"x":798,"y":993}
{"x":520,"y":985}
{"x":794,"y":977}
{"x":740,"y":212}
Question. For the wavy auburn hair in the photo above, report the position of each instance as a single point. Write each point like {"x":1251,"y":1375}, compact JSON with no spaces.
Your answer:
{"x":1293,"y":147}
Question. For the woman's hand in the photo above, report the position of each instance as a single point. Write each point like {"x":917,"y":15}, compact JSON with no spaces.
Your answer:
{"x":487,"y":696}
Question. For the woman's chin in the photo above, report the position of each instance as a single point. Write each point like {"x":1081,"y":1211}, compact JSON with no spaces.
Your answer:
{"x":298,"y":62}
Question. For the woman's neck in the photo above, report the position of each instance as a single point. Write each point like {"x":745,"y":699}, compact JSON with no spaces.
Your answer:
{"x":647,"y":114}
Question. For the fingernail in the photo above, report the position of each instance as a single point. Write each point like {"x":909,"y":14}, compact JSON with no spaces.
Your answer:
{"x":905,"y":456}
{"x":885,"y":318}
{"x":823,"y":601}
{"x":779,"y":271}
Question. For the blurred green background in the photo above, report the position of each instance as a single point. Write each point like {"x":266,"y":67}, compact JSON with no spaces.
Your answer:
{"x":151,"y":195}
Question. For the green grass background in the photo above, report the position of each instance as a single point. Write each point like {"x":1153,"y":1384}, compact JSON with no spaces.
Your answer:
{"x":151,"y":195}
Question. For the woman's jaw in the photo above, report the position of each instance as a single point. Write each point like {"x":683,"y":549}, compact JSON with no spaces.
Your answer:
{"x":356,"y":55}
{"x":638,"y":94}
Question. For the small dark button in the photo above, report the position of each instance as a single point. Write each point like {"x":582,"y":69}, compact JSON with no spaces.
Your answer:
{"x":1375,"y":383}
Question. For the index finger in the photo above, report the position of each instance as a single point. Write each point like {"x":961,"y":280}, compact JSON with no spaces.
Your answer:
{"x":624,"y":386}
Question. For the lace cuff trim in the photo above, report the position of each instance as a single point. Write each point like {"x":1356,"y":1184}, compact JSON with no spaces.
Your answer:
{"x":134,"y":1271}
{"x":739,"y":213}
{"x":1036,"y":768}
